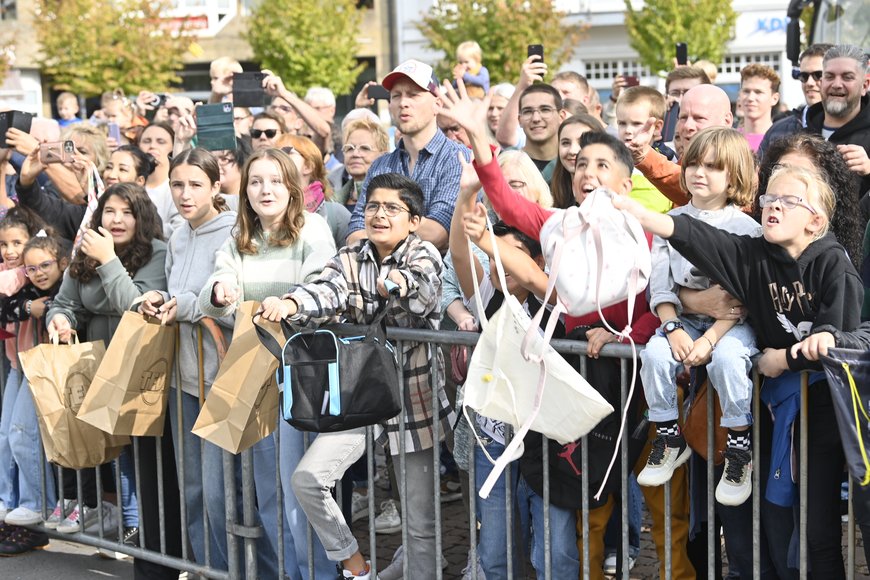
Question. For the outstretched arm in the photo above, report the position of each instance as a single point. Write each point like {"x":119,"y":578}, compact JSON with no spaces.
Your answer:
{"x":462,"y":262}
{"x":658,"y":224}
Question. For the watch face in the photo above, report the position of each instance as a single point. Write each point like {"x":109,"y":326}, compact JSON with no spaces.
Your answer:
{"x":672,"y":326}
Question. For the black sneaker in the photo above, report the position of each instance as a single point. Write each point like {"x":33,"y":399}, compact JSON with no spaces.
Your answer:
{"x":131,"y":537}
{"x":666,"y":455}
{"x":22,"y":540}
{"x":735,"y":486}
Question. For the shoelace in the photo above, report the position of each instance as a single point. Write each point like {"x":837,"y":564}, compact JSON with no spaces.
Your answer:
{"x":657,"y":454}
{"x":737,"y":459}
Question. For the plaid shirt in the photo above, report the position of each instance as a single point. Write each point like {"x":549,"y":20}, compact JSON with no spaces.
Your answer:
{"x":347,"y":291}
{"x":437,"y":172}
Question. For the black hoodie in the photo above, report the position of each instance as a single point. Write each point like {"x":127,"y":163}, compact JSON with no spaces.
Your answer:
{"x":855,"y":132}
{"x":787,"y":299}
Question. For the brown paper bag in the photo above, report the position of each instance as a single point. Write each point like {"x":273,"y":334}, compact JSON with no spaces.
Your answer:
{"x":59,"y":378}
{"x":129,"y":393}
{"x":242,"y":406}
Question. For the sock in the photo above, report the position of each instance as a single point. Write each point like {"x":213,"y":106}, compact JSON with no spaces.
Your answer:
{"x":668,"y":428}
{"x":739,"y":439}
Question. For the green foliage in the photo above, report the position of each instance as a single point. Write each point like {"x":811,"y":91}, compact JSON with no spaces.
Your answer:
{"x":307,"y":42}
{"x":91,"y":46}
{"x":705,"y":25}
{"x":503,"y":29}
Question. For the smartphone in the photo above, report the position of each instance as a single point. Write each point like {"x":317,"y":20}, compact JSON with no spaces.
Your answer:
{"x":682,"y":53}
{"x":56,"y":152}
{"x":14,"y":120}
{"x":536,"y":50}
{"x":248,"y":89}
{"x":114,"y":133}
{"x":670,"y":125}
{"x":378,"y":92}
{"x":631,"y":80}
{"x":214,"y":127}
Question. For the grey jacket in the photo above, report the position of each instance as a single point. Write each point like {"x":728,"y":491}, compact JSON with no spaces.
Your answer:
{"x":100,"y":302}
{"x":189,"y":263}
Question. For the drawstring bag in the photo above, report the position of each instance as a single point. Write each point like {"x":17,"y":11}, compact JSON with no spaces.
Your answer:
{"x":334,"y":383}
{"x":609,"y":262}
{"x":848,"y":374}
{"x":525,"y":383}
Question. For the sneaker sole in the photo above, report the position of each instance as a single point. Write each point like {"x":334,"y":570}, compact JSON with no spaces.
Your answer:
{"x":733,"y":500}
{"x":25,"y":522}
{"x":389,"y":530}
{"x":657,"y":479}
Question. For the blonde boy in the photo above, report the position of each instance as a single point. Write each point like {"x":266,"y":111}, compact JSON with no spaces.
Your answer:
{"x":470,"y":69}
{"x":636,"y":107}
{"x":221,"y":74}
{"x":67,"y":109}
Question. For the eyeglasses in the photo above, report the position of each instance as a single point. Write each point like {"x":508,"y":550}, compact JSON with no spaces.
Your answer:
{"x":391,"y":209}
{"x":803,"y":77}
{"x":44,"y":267}
{"x":517,"y":184}
{"x":269,"y":133}
{"x":787,"y":201}
{"x":545,"y":112}
{"x":361,"y":149}
{"x":226,"y":159}
{"x":677,"y":93}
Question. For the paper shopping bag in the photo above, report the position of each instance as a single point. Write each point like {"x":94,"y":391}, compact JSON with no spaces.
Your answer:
{"x":241,"y":407}
{"x":60,"y":376}
{"x":129,"y":393}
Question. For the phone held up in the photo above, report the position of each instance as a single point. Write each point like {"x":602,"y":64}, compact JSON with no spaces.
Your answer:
{"x":682,"y":53}
{"x":537,"y":50}
{"x":56,"y":152}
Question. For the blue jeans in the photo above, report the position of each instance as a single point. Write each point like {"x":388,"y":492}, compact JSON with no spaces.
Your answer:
{"x":8,"y":469}
{"x":203,"y":477}
{"x":129,"y":504}
{"x":25,"y":447}
{"x":529,"y":516}
{"x":728,"y":371}
{"x":292,"y":448}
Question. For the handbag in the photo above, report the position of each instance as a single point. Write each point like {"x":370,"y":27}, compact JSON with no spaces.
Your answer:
{"x":130,"y":390}
{"x":848,"y":374}
{"x":334,"y":383}
{"x":694,"y":428}
{"x":507,"y":382}
{"x":59,"y":376}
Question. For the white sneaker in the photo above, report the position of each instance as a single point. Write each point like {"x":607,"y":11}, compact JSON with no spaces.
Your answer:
{"x":22,"y":516}
{"x":58,"y":515}
{"x":73,"y":522}
{"x":735,"y":487}
{"x":359,"y":506}
{"x":610,"y":564}
{"x":3,"y":510}
{"x":389,"y":521}
{"x":666,"y":455}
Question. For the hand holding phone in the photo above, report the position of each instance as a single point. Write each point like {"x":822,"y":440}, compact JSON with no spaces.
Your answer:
{"x":114,"y":132}
{"x":248,"y":89}
{"x":536,"y":50}
{"x":57,"y":152}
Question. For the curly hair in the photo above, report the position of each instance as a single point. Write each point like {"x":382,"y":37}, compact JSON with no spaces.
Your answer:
{"x":148,"y":227}
{"x":248,"y":223}
{"x":846,"y":221}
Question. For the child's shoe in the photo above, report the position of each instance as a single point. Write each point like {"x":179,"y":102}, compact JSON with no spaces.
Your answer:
{"x":59,"y":515}
{"x":667,"y":454}
{"x":735,"y":486}
{"x":367,"y":575}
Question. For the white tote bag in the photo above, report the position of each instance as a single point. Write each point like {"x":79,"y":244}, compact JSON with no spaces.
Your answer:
{"x":527,"y":388}
{"x":605,"y":249}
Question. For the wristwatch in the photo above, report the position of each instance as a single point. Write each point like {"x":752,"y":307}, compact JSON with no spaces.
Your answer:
{"x":671,"y":325}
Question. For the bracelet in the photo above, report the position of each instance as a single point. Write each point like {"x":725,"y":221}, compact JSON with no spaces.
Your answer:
{"x":27,"y":307}
{"x":712,"y":346}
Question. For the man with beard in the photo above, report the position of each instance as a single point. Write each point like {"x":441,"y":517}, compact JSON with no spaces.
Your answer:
{"x":843,"y":115}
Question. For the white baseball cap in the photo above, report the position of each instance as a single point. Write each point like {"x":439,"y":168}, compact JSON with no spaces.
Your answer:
{"x":419,"y":73}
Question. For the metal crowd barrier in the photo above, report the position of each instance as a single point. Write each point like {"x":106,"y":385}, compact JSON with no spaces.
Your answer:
{"x":242,"y":534}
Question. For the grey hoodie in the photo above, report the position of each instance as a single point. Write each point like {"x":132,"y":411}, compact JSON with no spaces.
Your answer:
{"x":189,"y":263}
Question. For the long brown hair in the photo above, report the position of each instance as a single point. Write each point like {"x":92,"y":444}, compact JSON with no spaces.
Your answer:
{"x":148,"y":227}
{"x":248,"y":222}
{"x":312,"y":155}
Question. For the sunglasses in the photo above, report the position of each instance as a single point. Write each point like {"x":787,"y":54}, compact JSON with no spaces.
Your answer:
{"x":805,"y":76}
{"x":43,"y":267}
{"x":269,"y":133}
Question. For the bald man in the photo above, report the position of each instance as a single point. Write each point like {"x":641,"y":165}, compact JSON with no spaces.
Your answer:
{"x":702,"y":106}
